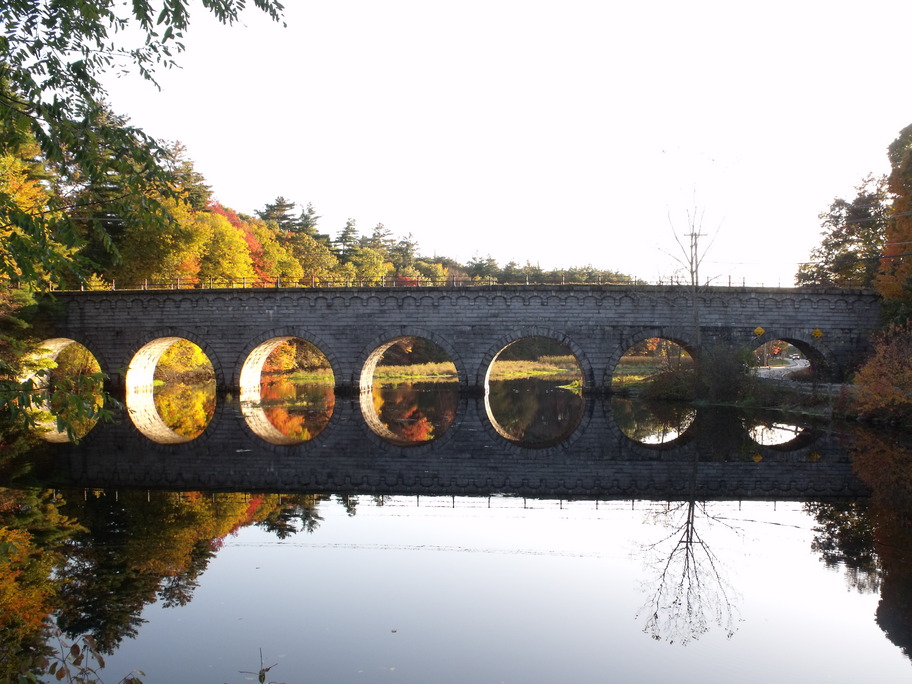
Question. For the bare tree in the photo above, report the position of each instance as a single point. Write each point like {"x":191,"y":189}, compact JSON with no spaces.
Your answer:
{"x":691,"y":258}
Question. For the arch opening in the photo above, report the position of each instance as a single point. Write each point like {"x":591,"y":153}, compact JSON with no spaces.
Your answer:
{"x":790,"y":359}
{"x":287,"y":390}
{"x":170,"y":390}
{"x":657,"y":366}
{"x":533,"y":392}
{"x":71,"y":389}
{"x":410,"y":391}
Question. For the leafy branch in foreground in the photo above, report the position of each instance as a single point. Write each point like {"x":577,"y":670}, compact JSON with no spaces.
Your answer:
{"x":77,"y":662}
{"x":72,"y":172}
{"x":52,"y":59}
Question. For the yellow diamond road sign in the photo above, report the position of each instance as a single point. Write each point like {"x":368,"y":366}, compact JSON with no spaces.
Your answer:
{"x":759,"y":330}
{"x":817,"y":333}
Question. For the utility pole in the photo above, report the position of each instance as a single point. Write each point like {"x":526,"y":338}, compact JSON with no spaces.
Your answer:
{"x":691,"y":258}
{"x":693,"y":263}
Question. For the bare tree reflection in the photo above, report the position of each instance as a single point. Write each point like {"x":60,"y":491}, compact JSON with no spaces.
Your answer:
{"x":691,"y":592}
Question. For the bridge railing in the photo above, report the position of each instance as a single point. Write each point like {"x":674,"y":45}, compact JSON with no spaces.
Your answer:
{"x":184,"y":283}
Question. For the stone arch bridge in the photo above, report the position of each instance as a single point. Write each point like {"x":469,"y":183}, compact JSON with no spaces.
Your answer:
{"x":127,"y":331}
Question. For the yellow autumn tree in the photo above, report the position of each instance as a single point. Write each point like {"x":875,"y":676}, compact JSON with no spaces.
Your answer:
{"x":316,"y":259}
{"x":162,"y":252}
{"x":226,"y":256}
{"x":28,"y":246}
{"x":26,"y":596}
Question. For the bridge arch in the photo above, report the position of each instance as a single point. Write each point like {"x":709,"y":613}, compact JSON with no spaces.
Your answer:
{"x":144,"y":357}
{"x":256,"y":351}
{"x":508,"y":337}
{"x":50,"y":350}
{"x":139,"y":387}
{"x":680,"y":336}
{"x":823,"y":360}
{"x":372,"y":353}
{"x":249,"y":378}
{"x":672,"y":430}
{"x":780,"y":435}
{"x":572,"y":428}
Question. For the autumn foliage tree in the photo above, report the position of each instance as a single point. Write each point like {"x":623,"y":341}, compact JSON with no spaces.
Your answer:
{"x":894,"y":280}
{"x":885,"y":381}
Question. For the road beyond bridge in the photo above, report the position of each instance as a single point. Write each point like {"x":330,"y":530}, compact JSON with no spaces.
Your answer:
{"x":128,"y":330}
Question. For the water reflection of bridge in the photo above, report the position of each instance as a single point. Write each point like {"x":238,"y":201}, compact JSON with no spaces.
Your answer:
{"x":716,"y":458}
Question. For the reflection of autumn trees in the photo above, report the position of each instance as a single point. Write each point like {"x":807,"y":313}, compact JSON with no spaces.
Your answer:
{"x":297,"y":410}
{"x":845,"y":539}
{"x":25,"y":592}
{"x":32,"y":528}
{"x":882,"y":461}
{"x":186,"y":409}
{"x":297,"y":513}
{"x":139,"y":547}
{"x":96,"y":561}
{"x":416,"y":412}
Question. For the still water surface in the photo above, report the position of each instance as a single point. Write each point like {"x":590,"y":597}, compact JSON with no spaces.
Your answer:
{"x":391,"y":586}
{"x":506,"y":590}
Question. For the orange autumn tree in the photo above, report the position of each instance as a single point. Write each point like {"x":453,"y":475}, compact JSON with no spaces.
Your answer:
{"x":894,"y":281}
{"x":26,"y":594}
{"x":885,"y":380}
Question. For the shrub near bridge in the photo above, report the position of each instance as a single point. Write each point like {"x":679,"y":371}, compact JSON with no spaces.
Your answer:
{"x":720,"y":377}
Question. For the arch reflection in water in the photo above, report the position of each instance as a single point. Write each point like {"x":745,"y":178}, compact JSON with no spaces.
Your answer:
{"x":410,"y":413}
{"x":287,"y":394}
{"x":285,"y":412}
{"x":170,"y":390}
{"x":533,"y":392}
{"x":73,"y":371}
{"x":534,"y":412}
{"x":774,"y":434}
{"x":414,"y":391}
{"x":656,"y":423}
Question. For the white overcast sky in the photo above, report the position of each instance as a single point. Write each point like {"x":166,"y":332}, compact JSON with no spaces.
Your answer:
{"x":560,"y":133}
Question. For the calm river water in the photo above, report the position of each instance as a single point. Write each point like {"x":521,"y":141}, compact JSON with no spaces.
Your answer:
{"x":413,"y":535}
